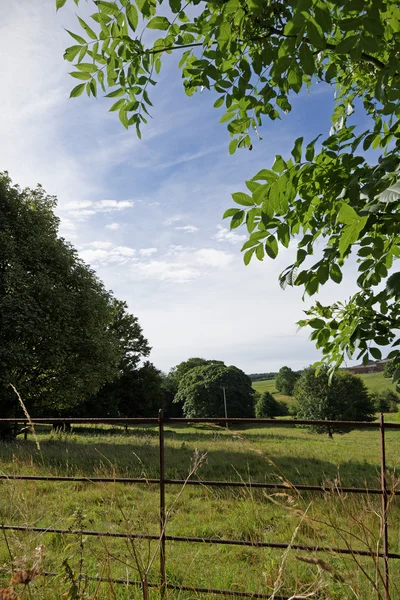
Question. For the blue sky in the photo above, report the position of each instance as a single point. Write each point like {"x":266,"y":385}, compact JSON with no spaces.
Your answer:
{"x":146,"y":215}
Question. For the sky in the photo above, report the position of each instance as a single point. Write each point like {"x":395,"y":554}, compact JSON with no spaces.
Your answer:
{"x":146,"y":214}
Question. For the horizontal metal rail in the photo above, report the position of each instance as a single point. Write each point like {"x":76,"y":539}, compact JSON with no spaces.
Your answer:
{"x":218,"y":421}
{"x":201,"y":540}
{"x":171,"y":586}
{"x":205,"y":483}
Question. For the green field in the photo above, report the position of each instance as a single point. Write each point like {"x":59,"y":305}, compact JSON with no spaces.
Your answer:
{"x":270,"y":454}
{"x":375,"y":382}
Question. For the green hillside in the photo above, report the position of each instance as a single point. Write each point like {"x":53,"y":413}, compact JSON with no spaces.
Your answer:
{"x":375,"y":382}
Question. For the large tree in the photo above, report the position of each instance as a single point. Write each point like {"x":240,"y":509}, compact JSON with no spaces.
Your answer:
{"x":185,"y":366}
{"x":285,"y":380}
{"x":202,"y":391}
{"x":62,"y":335}
{"x":343,"y":398}
{"x":256,"y":56}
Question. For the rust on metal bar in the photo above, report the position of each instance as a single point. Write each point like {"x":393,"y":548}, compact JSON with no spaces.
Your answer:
{"x":384,"y":508}
{"x":171,"y":586}
{"x":220,"y":420}
{"x":199,"y":540}
{"x":205,"y":483}
{"x":163,"y":579}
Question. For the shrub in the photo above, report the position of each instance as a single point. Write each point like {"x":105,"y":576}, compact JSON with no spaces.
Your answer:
{"x":268,"y":407}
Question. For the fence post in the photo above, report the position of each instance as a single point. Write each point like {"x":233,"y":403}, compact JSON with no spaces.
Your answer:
{"x":162,"y":501}
{"x":384,"y":508}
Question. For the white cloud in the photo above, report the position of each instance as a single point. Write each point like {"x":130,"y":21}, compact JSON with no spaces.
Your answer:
{"x":105,"y":254}
{"x":85,"y":208}
{"x":213,"y":258}
{"x":172,"y":220}
{"x":187,"y":228}
{"x":147,"y":251}
{"x":225,"y":235}
{"x":100,"y":244}
{"x":113,"y":226}
{"x":166,"y":271}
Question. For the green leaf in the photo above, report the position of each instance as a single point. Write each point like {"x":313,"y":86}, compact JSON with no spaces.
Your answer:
{"x":279,"y":165}
{"x":224,"y":35}
{"x":109,"y":8}
{"x":78,"y":38}
{"x":80,"y":75}
{"x":347,"y":44}
{"x":77,"y":91}
{"x":71,"y":53}
{"x":271,"y":247}
{"x":243,"y":199}
{"x":229,"y":213}
{"x":219,"y":102}
{"x":376,"y":353}
{"x":60,"y":4}
{"x":118,"y":104}
{"x":248,"y":255}
{"x":237,"y":219}
{"x":260,"y":252}
{"x":335,"y":273}
{"x":351,"y":233}
{"x":296,"y":152}
{"x":307,"y":59}
{"x":295,"y":78}
{"x":316,"y":323}
{"x":159,"y":23}
{"x":118,"y":92}
{"x":123,"y":117}
{"x":132,"y":16}
{"x":87,"y":67}
{"x":265,"y":175}
{"x":232,"y":146}
{"x":347,"y":214}
{"x":87,"y":29}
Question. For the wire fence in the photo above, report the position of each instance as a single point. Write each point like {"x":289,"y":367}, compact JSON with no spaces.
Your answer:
{"x":162,"y":538}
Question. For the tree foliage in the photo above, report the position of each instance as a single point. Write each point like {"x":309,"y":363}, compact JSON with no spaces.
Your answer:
{"x":389,"y":369}
{"x":343,"y":398}
{"x":180,"y":370}
{"x":268,"y":407}
{"x":62,"y":335}
{"x":202,"y":395}
{"x":256,"y":57}
{"x":386,"y":401}
{"x":285,"y":381}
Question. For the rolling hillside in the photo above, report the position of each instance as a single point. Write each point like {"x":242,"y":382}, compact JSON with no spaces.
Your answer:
{"x":375,"y":382}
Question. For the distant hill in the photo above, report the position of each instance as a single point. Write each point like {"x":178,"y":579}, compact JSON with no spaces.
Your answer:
{"x":262,"y":376}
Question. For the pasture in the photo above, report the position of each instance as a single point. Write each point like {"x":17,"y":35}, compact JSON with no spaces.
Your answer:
{"x":264,"y":454}
{"x":375,"y":382}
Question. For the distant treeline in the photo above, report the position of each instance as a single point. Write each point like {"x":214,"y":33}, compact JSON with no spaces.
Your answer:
{"x":258,"y":376}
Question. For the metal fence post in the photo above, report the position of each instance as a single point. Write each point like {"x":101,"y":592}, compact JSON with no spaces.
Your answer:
{"x":384,"y":508}
{"x":162,"y":502}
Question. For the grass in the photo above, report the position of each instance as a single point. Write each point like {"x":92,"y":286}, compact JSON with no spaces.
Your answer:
{"x":375,"y":382}
{"x":247,"y":453}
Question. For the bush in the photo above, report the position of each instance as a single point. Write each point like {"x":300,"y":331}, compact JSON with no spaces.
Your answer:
{"x":344,"y":397}
{"x":268,"y":407}
{"x":386,"y":401}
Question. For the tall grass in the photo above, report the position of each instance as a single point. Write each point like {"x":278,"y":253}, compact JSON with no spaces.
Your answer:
{"x":286,"y":455}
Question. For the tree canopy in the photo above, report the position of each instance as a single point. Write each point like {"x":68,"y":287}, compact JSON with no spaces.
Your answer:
{"x":201,"y":391}
{"x":268,"y":407}
{"x":285,"y":381}
{"x":257,"y":57}
{"x":343,"y":398}
{"x":180,"y":370}
{"x":62,"y":335}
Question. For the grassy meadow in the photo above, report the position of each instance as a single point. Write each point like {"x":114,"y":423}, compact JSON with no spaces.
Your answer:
{"x":269,"y":454}
{"x":375,"y":382}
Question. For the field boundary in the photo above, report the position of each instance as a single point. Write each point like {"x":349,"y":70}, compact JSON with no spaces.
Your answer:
{"x":163,"y":585}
